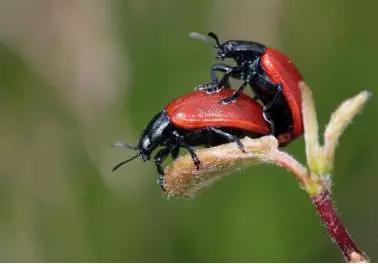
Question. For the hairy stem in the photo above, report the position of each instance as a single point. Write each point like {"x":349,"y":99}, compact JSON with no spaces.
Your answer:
{"x":325,"y":209}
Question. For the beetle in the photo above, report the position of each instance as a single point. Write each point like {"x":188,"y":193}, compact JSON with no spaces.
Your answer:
{"x":271,"y":75}
{"x":197,"y":119}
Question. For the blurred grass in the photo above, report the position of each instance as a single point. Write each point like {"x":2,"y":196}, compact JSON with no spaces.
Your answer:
{"x":59,"y":200}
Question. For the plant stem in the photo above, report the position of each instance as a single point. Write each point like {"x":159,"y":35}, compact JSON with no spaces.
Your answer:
{"x":336,"y":230}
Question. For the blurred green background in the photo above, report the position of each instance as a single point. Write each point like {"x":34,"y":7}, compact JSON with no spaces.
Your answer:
{"x":77,"y":75}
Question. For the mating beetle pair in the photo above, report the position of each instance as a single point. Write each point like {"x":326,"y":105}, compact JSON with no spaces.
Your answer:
{"x":218,"y":114}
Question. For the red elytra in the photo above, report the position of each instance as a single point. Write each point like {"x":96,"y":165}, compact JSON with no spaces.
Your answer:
{"x":281,"y":70}
{"x":198,"y":110}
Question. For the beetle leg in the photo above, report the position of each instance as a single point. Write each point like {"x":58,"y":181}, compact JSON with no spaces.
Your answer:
{"x":269,"y":106}
{"x":218,"y":67}
{"x":269,"y":119}
{"x":181,"y":142}
{"x":192,"y":153}
{"x":238,"y":92}
{"x":216,"y":85}
{"x":175,"y":152}
{"x":225,"y":81}
{"x":229,"y":71}
{"x":159,"y":158}
{"x":228,"y":136}
{"x":235,"y":95}
{"x":277,"y":94}
{"x":161,"y":182}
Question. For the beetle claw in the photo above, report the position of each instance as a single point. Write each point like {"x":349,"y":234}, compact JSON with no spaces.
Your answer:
{"x":197,"y":163}
{"x":227,"y":100}
{"x":241,"y":147}
{"x":208,"y":88}
{"x":161,"y":182}
{"x":213,"y":90}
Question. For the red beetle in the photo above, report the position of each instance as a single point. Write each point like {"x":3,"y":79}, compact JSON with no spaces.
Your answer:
{"x":197,"y":119}
{"x":273,"y":78}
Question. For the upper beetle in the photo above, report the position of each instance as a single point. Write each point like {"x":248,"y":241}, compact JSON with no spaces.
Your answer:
{"x":272,"y":76}
{"x":197,"y":119}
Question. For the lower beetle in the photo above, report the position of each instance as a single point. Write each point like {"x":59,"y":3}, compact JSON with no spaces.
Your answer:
{"x":197,"y":119}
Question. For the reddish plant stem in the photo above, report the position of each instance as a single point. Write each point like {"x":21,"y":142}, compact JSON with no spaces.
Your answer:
{"x":336,"y":230}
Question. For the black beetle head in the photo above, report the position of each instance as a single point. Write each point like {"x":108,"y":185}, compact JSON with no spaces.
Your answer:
{"x":145,"y":147}
{"x":230,"y":49}
{"x":153,"y":136}
{"x":237,"y":50}
{"x":226,"y":50}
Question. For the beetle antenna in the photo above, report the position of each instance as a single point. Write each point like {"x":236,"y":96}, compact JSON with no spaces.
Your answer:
{"x":215,"y":37}
{"x":199,"y":36}
{"x":124,"y":162}
{"x":120,"y":144}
